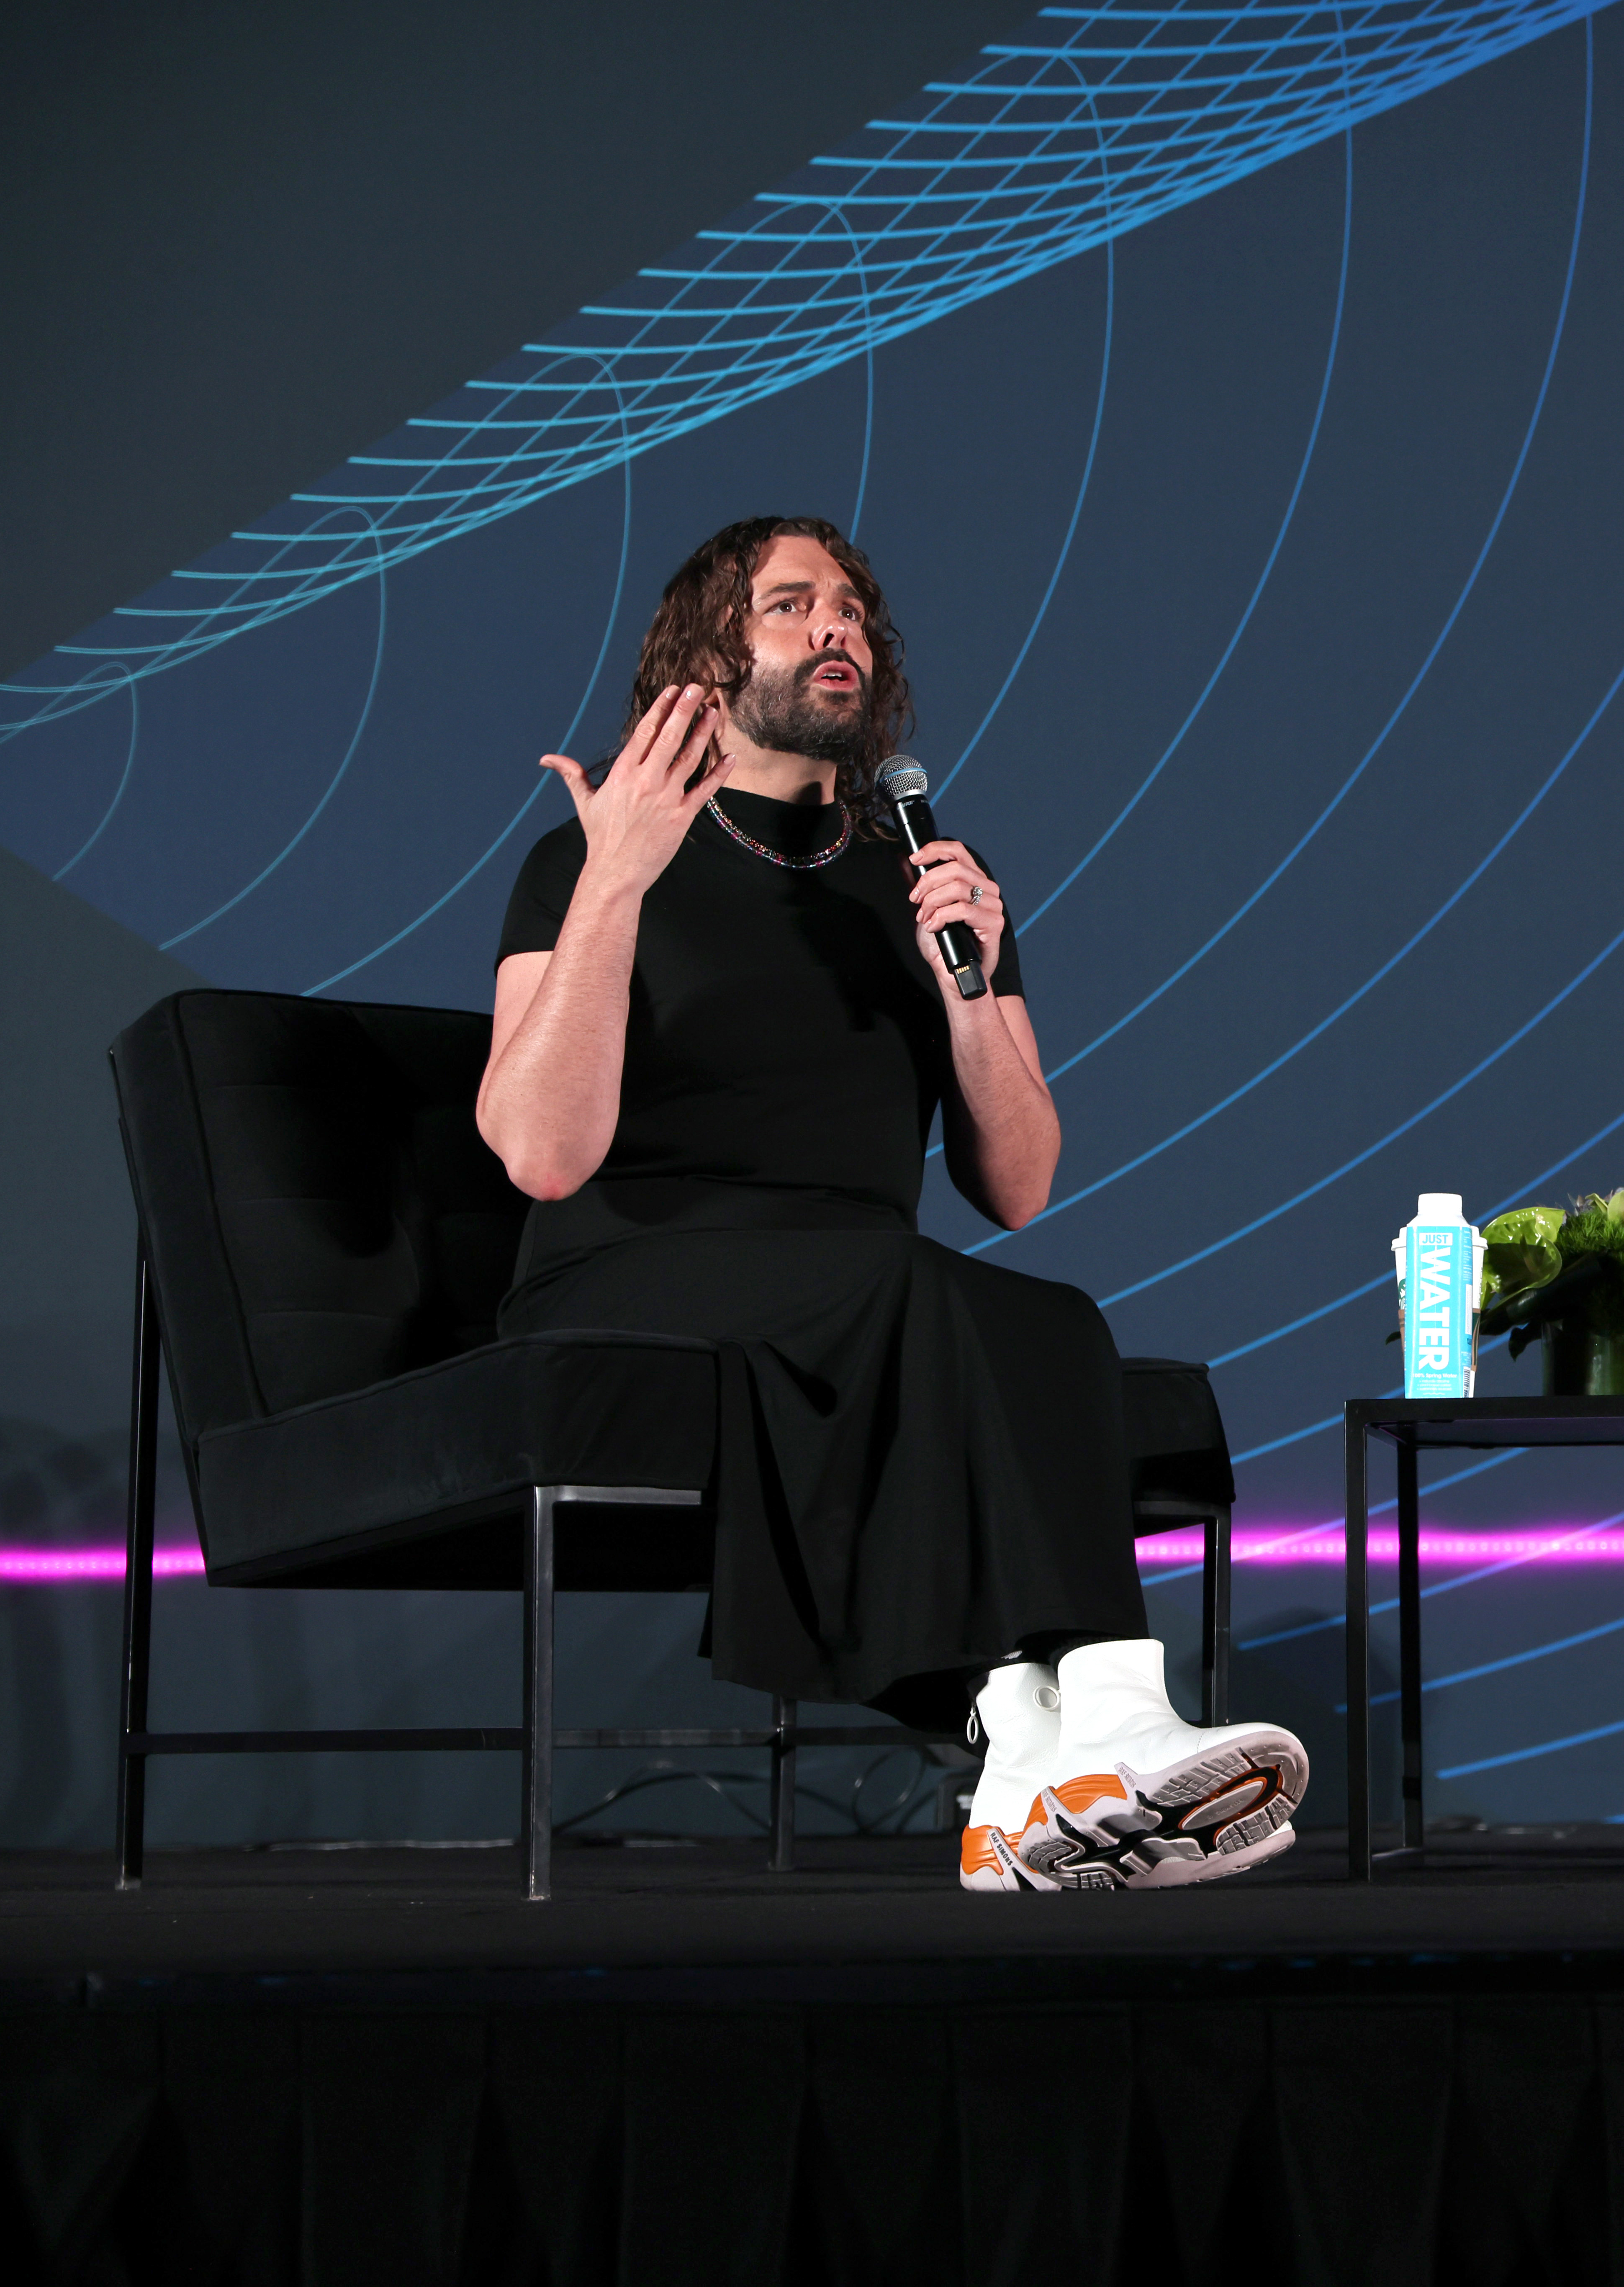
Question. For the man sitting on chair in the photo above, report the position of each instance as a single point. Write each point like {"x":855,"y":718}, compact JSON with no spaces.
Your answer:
{"x":723,"y":1029}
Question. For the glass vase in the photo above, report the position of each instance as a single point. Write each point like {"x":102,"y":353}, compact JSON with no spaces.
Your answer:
{"x":1580,"y":1363}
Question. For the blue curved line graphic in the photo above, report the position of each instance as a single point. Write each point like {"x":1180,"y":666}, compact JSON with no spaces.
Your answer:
{"x":1527,"y":1754}
{"x":1154,"y":1151}
{"x":1461,"y":1579}
{"x":1082,"y":489}
{"x":337,"y":780}
{"x":1334,"y":1420}
{"x":1498,"y":1666}
{"x":1183,"y":731}
{"x":1313,"y":437}
{"x":132,"y":684}
{"x":1286,"y":1540}
{"x":80,"y":693}
{"x":574,"y":393}
{"x":1291,"y":1436}
{"x":1260,"y":1222}
{"x":1334,"y":1524}
{"x":1071,"y":531}
{"x":1348,"y":783}
{"x":992,"y":180}
{"x":1357,"y":1293}
{"x":1309,"y":1317}
{"x":1359,"y":1158}
{"x":428,"y":912}
{"x":1393,"y":1134}
{"x":862,"y":473}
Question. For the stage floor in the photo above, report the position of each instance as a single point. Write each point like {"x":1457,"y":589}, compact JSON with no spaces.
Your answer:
{"x":882,"y":1914}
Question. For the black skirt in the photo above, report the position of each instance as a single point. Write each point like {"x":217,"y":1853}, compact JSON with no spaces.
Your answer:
{"x":923,"y":1465}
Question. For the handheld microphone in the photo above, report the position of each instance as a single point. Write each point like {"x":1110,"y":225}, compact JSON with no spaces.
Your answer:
{"x":904,"y":785}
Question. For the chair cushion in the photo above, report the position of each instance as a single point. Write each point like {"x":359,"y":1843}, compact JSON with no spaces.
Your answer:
{"x":1177,"y":1447}
{"x":374,"y":1488}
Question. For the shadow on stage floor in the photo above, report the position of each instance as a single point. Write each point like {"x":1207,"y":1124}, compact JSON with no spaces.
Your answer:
{"x":886,"y":1912}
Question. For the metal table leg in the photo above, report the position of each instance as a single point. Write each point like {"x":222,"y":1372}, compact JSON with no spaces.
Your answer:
{"x":1215,"y":1617}
{"x":1409,"y":1646}
{"x":1357,"y":1505}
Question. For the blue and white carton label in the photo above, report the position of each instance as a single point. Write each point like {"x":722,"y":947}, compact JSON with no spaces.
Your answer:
{"x":1439,"y":1300}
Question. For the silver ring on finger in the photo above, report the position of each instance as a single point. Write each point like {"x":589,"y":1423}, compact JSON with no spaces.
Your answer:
{"x":975,"y":893}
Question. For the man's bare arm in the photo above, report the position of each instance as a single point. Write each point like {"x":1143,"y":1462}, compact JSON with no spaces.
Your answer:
{"x":1000,"y":1133}
{"x":1000,"y":1129}
{"x":551,"y":1091}
{"x":551,"y":1095}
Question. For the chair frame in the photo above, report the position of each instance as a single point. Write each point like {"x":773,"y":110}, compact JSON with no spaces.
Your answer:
{"x":534,"y":1740}
{"x":1156,"y":1512}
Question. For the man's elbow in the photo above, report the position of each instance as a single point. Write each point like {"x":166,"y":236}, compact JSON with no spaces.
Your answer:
{"x":537,"y":1173}
{"x":540,"y":1178}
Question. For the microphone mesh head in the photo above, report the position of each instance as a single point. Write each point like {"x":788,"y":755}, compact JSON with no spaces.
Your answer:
{"x":901,"y":776}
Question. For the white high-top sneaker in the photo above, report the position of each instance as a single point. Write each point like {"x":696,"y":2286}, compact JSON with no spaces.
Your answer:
{"x":1144,"y":1799}
{"x":1018,"y":1711}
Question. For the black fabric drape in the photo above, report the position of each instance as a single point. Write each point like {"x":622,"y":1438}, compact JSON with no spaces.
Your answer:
{"x":1334,"y":2142}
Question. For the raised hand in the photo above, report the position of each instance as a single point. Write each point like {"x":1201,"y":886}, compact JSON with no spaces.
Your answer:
{"x":955,"y":889}
{"x":635,"y":821}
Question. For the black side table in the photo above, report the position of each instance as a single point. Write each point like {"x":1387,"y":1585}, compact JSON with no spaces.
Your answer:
{"x":1409,"y":1424}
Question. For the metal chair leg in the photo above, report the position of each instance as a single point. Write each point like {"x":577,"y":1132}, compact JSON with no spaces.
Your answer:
{"x":1215,"y":1617}
{"x":536,"y":1810}
{"x":782,"y":1811}
{"x":131,"y":1835}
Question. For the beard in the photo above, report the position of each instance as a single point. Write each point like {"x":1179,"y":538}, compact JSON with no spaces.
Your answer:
{"x":786,"y":713}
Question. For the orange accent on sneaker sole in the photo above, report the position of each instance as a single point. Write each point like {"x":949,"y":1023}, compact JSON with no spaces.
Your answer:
{"x":976,"y":1852}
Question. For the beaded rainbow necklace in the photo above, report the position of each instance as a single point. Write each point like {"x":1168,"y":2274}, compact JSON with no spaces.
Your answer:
{"x":776,"y":856}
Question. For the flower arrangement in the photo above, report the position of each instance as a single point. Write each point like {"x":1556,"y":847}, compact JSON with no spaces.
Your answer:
{"x":1559,"y":1276}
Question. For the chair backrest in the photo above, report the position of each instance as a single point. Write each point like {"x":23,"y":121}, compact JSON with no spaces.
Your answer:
{"x":317,"y":1206}
{"x":1177,"y":1447}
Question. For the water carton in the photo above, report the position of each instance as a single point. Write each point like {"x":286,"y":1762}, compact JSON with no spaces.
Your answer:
{"x":1438,"y":1259}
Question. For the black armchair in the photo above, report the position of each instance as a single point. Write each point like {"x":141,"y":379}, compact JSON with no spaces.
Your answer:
{"x":324,"y":1241}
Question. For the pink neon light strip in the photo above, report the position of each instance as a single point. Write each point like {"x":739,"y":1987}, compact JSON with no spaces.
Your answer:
{"x":1278,"y":1544}
{"x":1285,"y":1545}
{"x":32,"y":1566}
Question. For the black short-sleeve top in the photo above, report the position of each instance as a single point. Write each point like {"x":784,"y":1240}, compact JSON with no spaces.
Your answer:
{"x":784,"y":1033}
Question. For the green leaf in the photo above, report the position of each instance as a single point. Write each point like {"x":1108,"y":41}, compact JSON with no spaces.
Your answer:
{"x":1513,"y":1270}
{"x":1527,"y":1226}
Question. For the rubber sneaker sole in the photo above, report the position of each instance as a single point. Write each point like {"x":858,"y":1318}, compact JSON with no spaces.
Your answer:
{"x":987,"y":1861}
{"x":1207,"y":1816}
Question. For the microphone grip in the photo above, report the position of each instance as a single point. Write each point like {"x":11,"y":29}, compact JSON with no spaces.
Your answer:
{"x":959,"y":947}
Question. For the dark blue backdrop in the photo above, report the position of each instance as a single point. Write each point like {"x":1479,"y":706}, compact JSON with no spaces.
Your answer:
{"x":1260,"y":576}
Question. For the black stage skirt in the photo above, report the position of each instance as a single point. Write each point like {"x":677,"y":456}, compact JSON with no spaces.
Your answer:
{"x":922,"y":1465}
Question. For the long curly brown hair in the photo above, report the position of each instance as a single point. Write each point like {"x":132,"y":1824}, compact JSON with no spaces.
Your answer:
{"x":700,"y":634}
